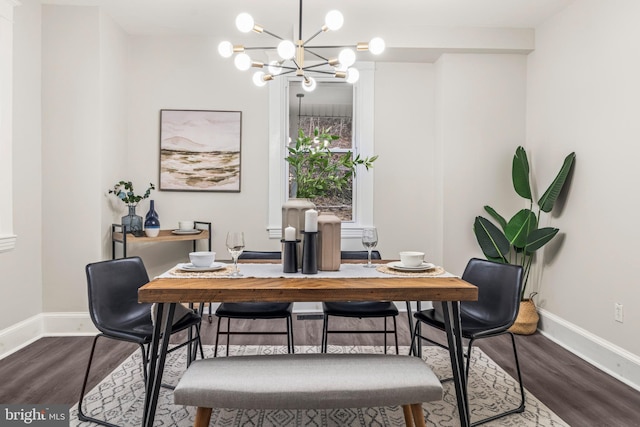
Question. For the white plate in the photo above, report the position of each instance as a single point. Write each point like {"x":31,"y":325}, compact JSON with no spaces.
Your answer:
{"x":397,"y":265}
{"x":194,"y":231}
{"x":213,"y":267}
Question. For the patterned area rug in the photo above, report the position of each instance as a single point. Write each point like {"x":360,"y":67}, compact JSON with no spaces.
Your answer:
{"x":119,"y":398}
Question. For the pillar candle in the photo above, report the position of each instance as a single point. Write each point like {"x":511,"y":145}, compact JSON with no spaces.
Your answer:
{"x":290,"y":233}
{"x":311,"y":220}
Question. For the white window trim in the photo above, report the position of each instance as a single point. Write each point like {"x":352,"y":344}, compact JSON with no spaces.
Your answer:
{"x":363,"y":132}
{"x":7,"y":238}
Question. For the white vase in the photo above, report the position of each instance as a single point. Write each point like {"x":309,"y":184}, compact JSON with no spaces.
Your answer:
{"x":329,"y":242}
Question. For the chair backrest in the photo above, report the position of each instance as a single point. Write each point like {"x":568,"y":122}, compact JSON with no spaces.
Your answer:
{"x":113,"y":292}
{"x":499,"y":288}
{"x":359,"y":255}
{"x":260,"y":255}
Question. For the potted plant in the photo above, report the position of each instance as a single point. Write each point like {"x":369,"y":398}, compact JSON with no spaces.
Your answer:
{"x":517,"y":240}
{"x":131,"y":223}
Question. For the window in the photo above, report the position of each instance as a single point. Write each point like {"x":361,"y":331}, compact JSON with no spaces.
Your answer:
{"x":348,"y":109}
{"x":330,"y":106}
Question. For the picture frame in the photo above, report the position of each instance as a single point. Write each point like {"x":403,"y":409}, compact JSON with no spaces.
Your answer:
{"x":200,"y":150}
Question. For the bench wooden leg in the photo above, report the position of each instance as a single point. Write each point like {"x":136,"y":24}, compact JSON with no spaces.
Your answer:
{"x":408,"y":419}
{"x":203,"y":416}
{"x":418,"y":415}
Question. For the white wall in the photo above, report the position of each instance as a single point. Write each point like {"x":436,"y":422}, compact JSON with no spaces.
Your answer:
{"x":71,"y":152}
{"x":583,"y":92}
{"x":21,"y":268}
{"x":480,"y":122}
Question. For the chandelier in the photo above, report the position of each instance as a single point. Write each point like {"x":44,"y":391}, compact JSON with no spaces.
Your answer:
{"x":291,"y":54}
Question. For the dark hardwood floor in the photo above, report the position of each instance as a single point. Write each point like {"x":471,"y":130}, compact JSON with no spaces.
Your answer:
{"x":51,"y":370}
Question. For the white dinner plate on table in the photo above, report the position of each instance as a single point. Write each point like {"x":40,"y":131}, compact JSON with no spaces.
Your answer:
{"x":398,"y":265}
{"x":190,"y":267}
{"x":194,"y":231}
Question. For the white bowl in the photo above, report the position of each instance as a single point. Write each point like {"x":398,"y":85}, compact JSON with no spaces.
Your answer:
{"x":202,"y":259}
{"x":411,"y":258}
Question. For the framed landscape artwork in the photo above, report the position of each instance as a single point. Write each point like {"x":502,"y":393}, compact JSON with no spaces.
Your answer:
{"x":200,"y":150}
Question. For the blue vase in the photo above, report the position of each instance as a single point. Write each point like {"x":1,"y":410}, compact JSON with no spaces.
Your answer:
{"x":132,"y":223}
{"x":152,"y":221}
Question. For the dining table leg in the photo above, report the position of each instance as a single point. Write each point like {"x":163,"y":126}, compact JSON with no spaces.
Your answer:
{"x":451,"y":312}
{"x":157,"y":358}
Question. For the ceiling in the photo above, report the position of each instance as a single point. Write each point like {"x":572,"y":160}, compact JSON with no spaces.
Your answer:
{"x":206,"y":17}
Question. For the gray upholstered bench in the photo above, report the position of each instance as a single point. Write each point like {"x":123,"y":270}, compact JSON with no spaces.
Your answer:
{"x":309,"y":381}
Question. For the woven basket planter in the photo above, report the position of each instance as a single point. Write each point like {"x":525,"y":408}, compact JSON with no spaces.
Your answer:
{"x":527,"y":321}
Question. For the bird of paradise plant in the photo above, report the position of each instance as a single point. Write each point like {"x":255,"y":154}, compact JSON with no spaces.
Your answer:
{"x":517,"y":240}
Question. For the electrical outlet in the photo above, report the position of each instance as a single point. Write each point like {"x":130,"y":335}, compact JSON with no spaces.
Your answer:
{"x":618,"y":313}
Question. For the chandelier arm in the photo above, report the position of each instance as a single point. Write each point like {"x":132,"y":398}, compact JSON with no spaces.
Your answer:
{"x":319,"y":71}
{"x":309,"y":67}
{"x":332,"y":47}
{"x":260,"y":48}
{"x":312,"y":37}
{"x":272,"y":34}
{"x":316,"y":55}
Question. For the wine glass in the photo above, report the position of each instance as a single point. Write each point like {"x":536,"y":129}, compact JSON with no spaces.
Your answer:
{"x":369,"y":241}
{"x":235,"y":245}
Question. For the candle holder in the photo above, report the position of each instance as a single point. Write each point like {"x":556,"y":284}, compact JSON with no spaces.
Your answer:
{"x":290,"y":256}
{"x":310,"y":252}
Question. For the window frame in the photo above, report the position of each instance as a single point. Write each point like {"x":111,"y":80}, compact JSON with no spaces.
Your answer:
{"x":363,"y":144}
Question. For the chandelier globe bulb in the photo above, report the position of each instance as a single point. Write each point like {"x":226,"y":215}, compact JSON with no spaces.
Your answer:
{"x":334,"y":20}
{"x":376,"y":46}
{"x":275,"y":67}
{"x":244,"y":22}
{"x":347,"y":57}
{"x":309,"y":84}
{"x":242,"y":62}
{"x":258,"y":79}
{"x":225,"y":49}
{"x":352,"y":75}
{"x":286,"y":49}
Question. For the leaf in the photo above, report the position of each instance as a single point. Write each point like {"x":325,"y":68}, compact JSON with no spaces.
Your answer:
{"x":492,"y":241}
{"x":550,"y":196}
{"x":495,"y":215}
{"x":519,"y":227}
{"x":520,"y":173}
{"x":540,"y":237}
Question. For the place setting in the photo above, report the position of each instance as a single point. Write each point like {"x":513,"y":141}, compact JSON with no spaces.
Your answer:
{"x":411,"y":263}
{"x":201,"y":262}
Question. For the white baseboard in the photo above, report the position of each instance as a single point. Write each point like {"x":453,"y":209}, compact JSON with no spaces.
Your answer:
{"x":23,"y":333}
{"x":20,"y":335}
{"x":615,"y":361}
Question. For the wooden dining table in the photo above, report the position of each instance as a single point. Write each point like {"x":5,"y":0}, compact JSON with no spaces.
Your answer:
{"x":167,"y":292}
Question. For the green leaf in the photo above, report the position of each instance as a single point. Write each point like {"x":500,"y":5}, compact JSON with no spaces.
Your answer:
{"x":520,"y":173}
{"x":492,"y":241}
{"x":540,"y":237}
{"x":550,"y":196}
{"x":519,"y":227}
{"x":495,"y":215}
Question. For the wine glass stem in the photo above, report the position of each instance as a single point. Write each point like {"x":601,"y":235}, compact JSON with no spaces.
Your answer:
{"x":369,"y":257}
{"x":235,"y":265}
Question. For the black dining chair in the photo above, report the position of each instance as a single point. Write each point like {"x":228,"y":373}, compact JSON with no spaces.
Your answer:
{"x":113,"y":305}
{"x":359,"y":309}
{"x":255,"y":310}
{"x":499,"y":290}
